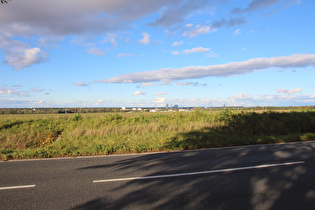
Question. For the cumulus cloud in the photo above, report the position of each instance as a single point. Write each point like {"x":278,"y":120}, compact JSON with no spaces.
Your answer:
{"x":6,"y":91}
{"x":221,"y":70}
{"x":241,"y":96}
{"x":96,"y":51}
{"x":160,"y":100}
{"x":146,"y":84}
{"x":228,"y":22}
{"x":177,"y":43}
{"x":111,"y":38}
{"x":24,"y":57}
{"x":175,"y":52}
{"x":138,"y":93}
{"x":191,"y":31}
{"x":120,"y":55}
{"x":20,"y":55}
{"x":187,"y":83}
{"x":287,"y":91}
{"x":82,"y":84}
{"x":146,"y":38}
{"x":256,"y":5}
{"x":160,"y":93}
{"x":98,"y":102}
{"x":197,"y":50}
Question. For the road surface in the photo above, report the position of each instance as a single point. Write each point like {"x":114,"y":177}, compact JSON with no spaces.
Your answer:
{"x":280,"y":176}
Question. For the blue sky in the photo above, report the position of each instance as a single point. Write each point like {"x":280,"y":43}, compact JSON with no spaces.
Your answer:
{"x":129,"y":53}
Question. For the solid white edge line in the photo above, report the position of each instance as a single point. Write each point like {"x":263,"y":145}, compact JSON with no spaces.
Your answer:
{"x":201,"y":172}
{"x":17,"y":187}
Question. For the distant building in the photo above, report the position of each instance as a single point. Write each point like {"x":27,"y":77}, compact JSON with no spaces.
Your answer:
{"x":175,"y":106}
{"x":166,"y":106}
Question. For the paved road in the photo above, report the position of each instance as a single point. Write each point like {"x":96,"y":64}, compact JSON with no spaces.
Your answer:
{"x":280,"y":176}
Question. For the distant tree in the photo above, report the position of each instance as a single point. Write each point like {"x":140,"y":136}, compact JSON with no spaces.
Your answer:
{"x":4,"y":1}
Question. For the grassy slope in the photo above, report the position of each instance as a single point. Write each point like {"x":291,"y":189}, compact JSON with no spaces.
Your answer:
{"x":72,"y":135}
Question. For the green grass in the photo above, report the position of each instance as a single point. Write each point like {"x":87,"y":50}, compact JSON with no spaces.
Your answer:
{"x":86,"y":134}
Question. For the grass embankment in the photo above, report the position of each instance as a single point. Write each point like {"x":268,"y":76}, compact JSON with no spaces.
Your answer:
{"x":55,"y":136}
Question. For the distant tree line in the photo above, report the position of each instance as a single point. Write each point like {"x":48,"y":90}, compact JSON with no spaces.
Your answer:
{"x":55,"y":110}
{"x":4,"y":111}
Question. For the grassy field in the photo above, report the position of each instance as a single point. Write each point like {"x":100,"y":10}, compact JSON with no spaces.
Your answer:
{"x":55,"y":135}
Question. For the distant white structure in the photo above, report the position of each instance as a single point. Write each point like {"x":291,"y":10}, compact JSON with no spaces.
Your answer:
{"x":123,"y":108}
{"x":183,"y":110}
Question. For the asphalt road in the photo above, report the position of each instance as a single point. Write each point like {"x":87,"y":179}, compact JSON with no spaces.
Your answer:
{"x":280,"y":176}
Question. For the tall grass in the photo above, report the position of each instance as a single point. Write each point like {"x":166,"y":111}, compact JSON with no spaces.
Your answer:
{"x":113,"y":133}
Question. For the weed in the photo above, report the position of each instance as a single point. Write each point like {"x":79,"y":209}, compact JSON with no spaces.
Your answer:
{"x":77,"y":134}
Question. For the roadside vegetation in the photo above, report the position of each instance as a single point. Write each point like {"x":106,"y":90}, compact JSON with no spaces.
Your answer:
{"x":29,"y":136}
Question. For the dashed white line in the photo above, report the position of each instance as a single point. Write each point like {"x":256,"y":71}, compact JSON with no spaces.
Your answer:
{"x":201,"y":172}
{"x":17,"y":187}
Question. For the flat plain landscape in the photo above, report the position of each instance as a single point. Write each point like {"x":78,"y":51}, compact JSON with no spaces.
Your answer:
{"x":62,"y":135}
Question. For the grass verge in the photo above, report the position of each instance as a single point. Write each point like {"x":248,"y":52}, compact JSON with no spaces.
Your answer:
{"x":76,"y":135}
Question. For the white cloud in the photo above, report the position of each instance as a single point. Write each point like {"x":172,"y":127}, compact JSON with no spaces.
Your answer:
{"x":100,"y":101}
{"x":160,"y":100}
{"x":175,"y":52}
{"x":177,"y":43}
{"x":211,"y":54}
{"x":120,"y":55}
{"x":21,"y":58}
{"x":19,"y":54}
{"x":241,"y":96}
{"x":237,"y":32}
{"x":6,"y":91}
{"x":187,"y":83}
{"x":197,"y":50}
{"x":112,"y":39}
{"x":36,"y":90}
{"x":191,"y":31}
{"x":146,"y":84}
{"x":160,"y":93}
{"x":138,"y":93}
{"x":80,"y":84}
{"x":146,"y":38}
{"x":287,"y":91}
{"x":96,"y":51}
{"x":222,"y":70}
{"x":39,"y":102}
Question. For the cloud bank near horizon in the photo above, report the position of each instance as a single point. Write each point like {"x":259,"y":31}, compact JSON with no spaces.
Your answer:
{"x":222,"y":70}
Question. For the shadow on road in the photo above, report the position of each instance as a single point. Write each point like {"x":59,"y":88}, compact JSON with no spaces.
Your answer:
{"x":285,"y":187}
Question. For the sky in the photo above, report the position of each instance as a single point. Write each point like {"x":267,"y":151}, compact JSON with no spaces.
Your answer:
{"x":148,"y":53}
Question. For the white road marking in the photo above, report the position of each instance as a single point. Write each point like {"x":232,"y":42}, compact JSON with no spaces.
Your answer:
{"x":201,"y":172}
{"x":17,"y":187}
